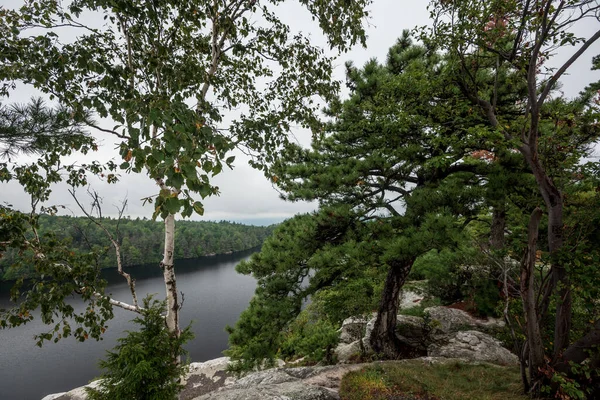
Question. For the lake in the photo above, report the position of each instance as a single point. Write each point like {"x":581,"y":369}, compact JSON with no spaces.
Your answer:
{"x":215,"y":295}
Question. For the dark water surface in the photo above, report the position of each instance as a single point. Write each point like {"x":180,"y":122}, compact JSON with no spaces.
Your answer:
{"x":215,"y":295}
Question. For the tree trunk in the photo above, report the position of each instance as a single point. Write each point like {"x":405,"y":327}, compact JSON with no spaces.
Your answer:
{"x":498,"y":226}
{"x":383,"y":337}
{"x":167,"y":265}
{"x":560,"y":279}
{"x":534,"y":339}
{"x":579,"y":351}
{"x":584,"y":352}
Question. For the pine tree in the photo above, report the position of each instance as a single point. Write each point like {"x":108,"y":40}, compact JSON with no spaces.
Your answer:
{"x":141,"y":366}
{"x":35,"y":128}
{"x":383,"y":168}
{"x":385,"y":154}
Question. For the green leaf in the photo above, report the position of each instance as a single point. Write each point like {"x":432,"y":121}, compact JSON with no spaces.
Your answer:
{"x":217,"y":169}
{"x":172,"y":205}
{"x":187,"y":210}
{"x":176,"y":180}
{"x":207,"y":166}
{"x":198,"y":208}
{"x":205,"y":190}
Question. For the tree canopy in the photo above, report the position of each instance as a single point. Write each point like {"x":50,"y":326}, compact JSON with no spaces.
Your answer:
{"x":184,"y":83}
{"x":433,"y":150}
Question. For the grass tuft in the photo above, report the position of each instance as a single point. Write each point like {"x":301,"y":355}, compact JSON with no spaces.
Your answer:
{"x":415,"y":380}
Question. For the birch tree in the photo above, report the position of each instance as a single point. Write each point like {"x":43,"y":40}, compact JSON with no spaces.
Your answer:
{"x":185,"y":83}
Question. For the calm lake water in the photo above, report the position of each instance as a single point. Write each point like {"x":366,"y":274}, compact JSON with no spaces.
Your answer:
{"x":215,"y":295}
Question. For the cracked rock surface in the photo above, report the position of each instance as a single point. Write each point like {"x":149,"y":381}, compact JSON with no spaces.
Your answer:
{"x":210,"y":380}
{"x":303,"y":383}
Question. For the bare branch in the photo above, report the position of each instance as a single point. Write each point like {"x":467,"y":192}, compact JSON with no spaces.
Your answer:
{"x":552,"y":81}
{"x":121,"y":304}
{"x":519,"y":35}
{"x":115,"y":244}
{"x":117,"y":134}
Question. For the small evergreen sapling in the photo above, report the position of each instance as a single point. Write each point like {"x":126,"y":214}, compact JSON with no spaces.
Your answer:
{"x":141,"y":366}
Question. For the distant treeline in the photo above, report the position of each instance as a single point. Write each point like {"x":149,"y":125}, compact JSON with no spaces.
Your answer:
{"x":141,"y":240}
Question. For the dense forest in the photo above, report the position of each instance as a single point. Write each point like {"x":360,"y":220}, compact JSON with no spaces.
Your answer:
{"x":141,"y":240}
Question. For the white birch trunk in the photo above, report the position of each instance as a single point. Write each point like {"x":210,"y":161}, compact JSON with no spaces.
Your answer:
{"x":167,"y":265}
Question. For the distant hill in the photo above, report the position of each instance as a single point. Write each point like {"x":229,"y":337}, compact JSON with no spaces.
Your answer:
{"x":141,"y":240}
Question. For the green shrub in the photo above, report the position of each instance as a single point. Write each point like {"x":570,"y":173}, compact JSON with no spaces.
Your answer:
{"x":439,"y":268}
{"x":143,"y":364}
{"x":486,"y":296}
{"x":310,"y":337}
{"x":460,"y":275}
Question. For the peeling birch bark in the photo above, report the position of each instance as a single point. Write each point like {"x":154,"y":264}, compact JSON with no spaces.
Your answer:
{"x":167,"y":265}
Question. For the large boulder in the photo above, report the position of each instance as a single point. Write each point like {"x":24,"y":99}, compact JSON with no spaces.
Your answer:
{"x":345,"y":351}
{"x":273,"y":376}
{"x":409,"y":299}
{"x":473,"y":346}
{"x":53,"y":396}
{"x":206,"y":377}
{"x":449,"y":320}
{"x":368,"y":331}
{"x":353,"y":329}
{"x":210,"y":380}
{"x":285,"y":391}
{"x":412,"y":331}
{"x":448,"y":332}
{"x":409,"y":329}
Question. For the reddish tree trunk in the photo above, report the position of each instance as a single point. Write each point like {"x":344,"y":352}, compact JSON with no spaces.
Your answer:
{"x":534,"y":337}
{"x":560,"y":279}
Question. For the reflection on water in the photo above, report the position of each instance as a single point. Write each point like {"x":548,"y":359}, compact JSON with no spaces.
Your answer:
{"x":214,"y":294}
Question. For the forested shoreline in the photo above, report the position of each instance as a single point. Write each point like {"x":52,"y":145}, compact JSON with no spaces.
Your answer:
{"x":141,"y":240}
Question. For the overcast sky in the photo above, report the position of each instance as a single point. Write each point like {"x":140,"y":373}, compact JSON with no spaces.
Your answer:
{"x":246,"y":196}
